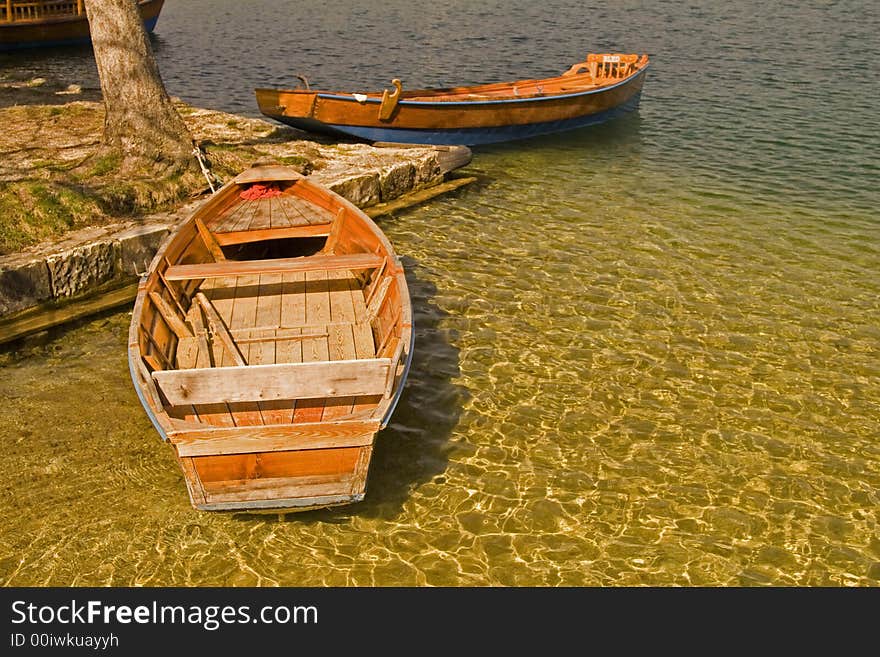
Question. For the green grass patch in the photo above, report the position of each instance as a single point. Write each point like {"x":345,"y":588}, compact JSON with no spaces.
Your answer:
{"x":104,"y":164}
{"x":211,"y":146}
{"x":118,"y":197}
{"x":34,"y":211}
{"x":295,"y":160}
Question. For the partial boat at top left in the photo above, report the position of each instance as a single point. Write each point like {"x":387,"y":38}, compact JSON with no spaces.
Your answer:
{"x":36,"y":23}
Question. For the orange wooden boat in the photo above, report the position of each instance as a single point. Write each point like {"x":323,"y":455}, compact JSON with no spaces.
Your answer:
{"x":35,"y":23}
{"x":596,"y":90}
{"x":269,"y":343}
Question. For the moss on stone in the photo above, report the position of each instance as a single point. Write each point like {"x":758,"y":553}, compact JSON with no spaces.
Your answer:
{"x":55,"y":177}
{"x":104,"y":164}
{"x":36,"y":210}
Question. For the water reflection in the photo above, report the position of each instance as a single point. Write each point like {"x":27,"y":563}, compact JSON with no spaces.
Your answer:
{"x":620,"y":139}
{"x":414,"y":448}
{"x":648,"y":351}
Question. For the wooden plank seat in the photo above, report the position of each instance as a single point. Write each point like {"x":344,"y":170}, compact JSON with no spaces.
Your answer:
{"x":246,"y":236}
{"x":245,"y":383}
{"x":320,"y":262}
{"x":275,"y":437}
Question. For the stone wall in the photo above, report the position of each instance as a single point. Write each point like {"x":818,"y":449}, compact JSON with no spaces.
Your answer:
{"x":86,"y":260}
{"x":97,"y":257}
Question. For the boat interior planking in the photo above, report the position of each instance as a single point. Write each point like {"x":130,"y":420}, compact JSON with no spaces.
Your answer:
{"x":270,"y":341}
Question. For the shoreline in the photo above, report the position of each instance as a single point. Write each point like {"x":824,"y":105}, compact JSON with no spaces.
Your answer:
{"x":102,"y":259}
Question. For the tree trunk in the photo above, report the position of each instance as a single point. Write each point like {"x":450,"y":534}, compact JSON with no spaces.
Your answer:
{"x":141,"y":123}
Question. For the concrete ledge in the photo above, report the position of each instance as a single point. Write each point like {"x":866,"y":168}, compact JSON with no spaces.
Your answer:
{"x":138,"y":245}
{"x":363,"y":190}
{"x":76,"y":270}
{"x":84,"y":262}
{"x":54,"y":313}
{"x":95,"y":259}
{"x":24,"y":282}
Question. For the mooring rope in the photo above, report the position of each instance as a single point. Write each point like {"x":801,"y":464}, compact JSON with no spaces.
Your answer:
{"x":210,"y":177}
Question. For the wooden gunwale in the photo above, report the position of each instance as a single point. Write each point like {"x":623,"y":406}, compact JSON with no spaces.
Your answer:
{"x":441,"y":99}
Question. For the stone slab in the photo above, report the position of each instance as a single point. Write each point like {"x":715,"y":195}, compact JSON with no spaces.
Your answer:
{"x":138,"y":245}
{"x":76,"y":270}
{"x":396,"y":180}
{"x":24,"y":282}
{"x":363,"y":190}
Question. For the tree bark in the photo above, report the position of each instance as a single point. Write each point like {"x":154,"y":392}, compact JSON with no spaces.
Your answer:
{"x":141,"y":123}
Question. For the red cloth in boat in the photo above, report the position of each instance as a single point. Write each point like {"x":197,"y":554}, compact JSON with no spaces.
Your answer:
{"x":258,"y":191}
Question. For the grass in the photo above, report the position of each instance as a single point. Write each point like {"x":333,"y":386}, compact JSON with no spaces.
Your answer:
{"x":305,"y":164}
{"x":295,"y":160}
{"x":55,"y":177}
{"x":104,"y":164}
{"x":35,"y":210}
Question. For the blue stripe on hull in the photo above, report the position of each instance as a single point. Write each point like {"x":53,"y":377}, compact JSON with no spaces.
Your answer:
{"x":465,"y":136}
{"x":149,"y":25}
{"x":400,"y":386}
{"x":143,"y":400}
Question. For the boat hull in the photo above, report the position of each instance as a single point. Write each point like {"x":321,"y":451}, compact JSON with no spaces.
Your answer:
{"x":455,"y":119}
{"x":66,"y":31}
{"x":465,"y":136}
{"x":271,"y":376}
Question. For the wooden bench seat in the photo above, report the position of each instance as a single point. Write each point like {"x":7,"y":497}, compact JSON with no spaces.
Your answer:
{"x":258,"y":383}
{"x":272,"y":438}
{"x":246,"y":236}
{"x":321,"y":262}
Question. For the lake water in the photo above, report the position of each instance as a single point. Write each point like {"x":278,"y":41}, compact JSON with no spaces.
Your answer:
{"x":647,"y":353}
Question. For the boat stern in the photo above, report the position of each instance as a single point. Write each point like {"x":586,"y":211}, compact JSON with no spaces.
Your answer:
{"x":277,"y":103}
{"x":288,"y":480}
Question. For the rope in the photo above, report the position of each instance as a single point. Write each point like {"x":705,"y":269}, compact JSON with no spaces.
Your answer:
{"x":210,"y":177}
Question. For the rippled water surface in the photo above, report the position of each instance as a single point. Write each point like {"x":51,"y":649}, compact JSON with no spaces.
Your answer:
{"x":648,"y":353}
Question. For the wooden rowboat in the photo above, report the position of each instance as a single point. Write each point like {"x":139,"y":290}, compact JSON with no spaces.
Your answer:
{"x":596,"y":90}
{"x":35,"y":23}
{"x":270,"y":341}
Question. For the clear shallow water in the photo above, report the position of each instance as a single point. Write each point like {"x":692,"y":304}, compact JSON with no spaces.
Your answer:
{"x":647,"y":353}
